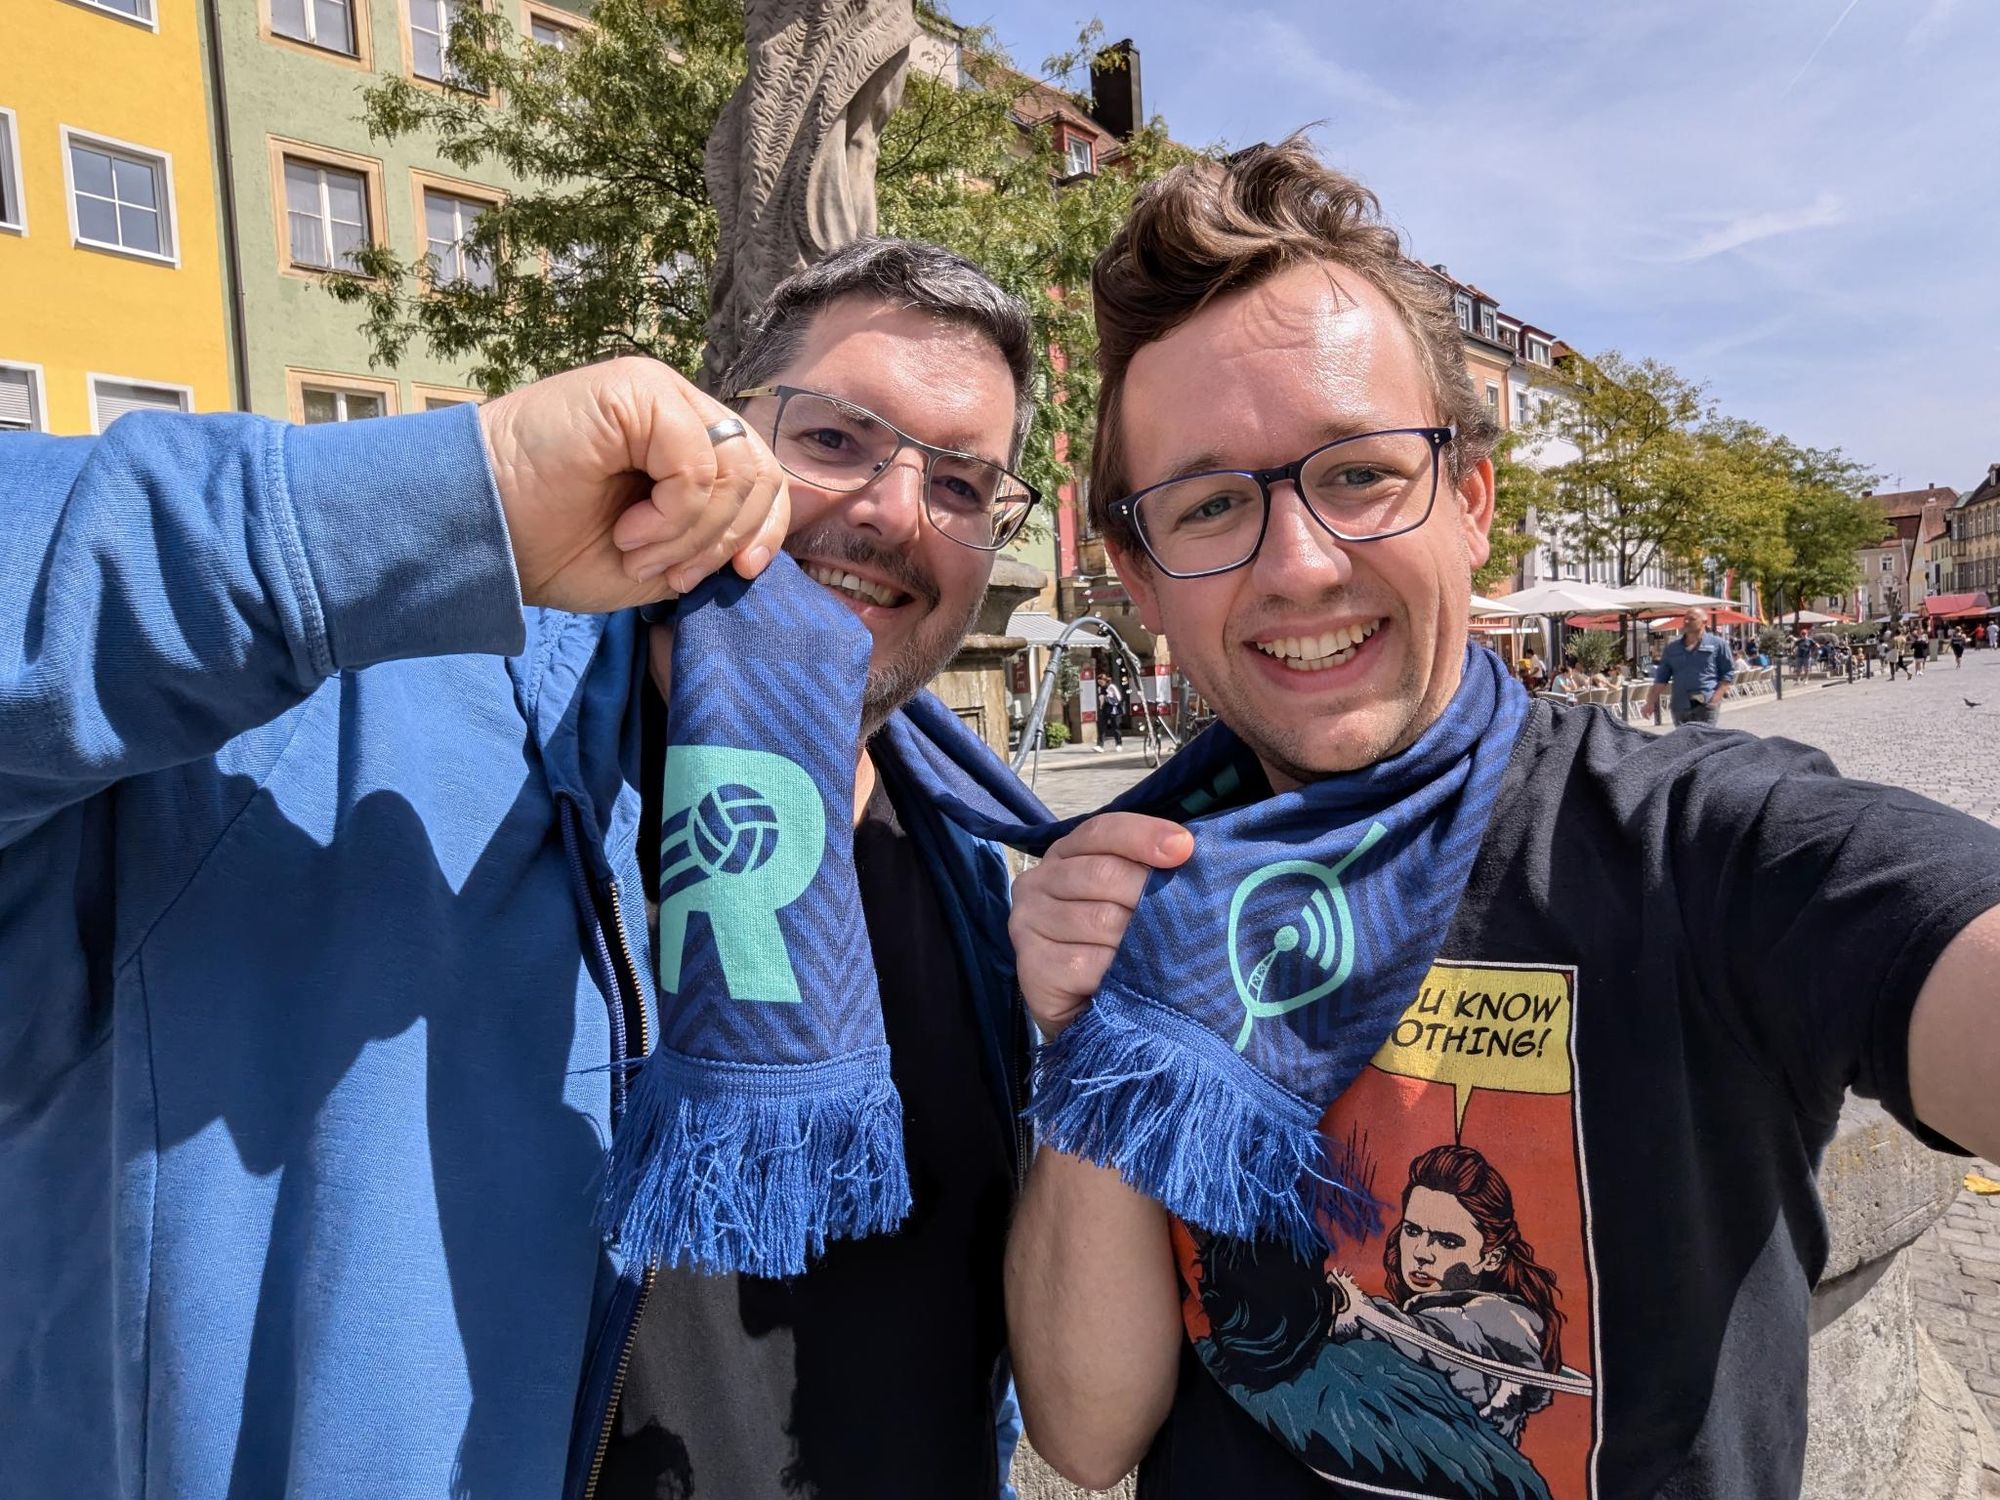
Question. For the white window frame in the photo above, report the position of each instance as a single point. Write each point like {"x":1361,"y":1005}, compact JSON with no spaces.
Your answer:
{"x":1493,"y":398}
{"x":1073,"y":140}
{"x":10,"y":174}
{"x":1489,"y":324}
{"x":38,"y":393}
{"x":340,"y":393}
{"x":93,"y":379}
{"x":150,"y":20}
{"x":459,"y":253}
{"x":355,"y":22}
{"x":444,"y":78}
{"x":1462,"y":305}
{"x":538,"y":15}
{"x":162,"y":165}
{"x":1538,"y":351}
{"x":325,"y":211}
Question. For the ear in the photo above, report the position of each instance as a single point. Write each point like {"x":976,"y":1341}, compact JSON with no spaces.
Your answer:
{"x":1475,"y":492}
{"x":1135,"y":571}
{"x":1491,"y":1260}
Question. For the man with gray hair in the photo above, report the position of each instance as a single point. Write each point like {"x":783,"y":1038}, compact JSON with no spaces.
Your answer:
{"x":327,"y":885}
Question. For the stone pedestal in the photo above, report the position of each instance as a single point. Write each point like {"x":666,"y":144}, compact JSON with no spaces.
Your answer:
{"x":974,"y":682}
{"x":1888,"y":1418}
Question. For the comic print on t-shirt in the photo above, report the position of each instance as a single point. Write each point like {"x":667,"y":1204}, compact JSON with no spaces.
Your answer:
{"x":1450,"y":1353}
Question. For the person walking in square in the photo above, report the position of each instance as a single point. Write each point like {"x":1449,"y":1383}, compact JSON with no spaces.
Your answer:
{"x":1920,"y":649}
{"x":1698,"y":667}
{"x":1111,"y":716}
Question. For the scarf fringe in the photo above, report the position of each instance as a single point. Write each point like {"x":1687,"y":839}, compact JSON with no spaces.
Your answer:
{"x":735,"y":1168}
{"x":1161,"y":1100}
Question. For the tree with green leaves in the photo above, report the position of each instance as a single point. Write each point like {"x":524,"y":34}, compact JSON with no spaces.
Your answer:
{"x":1662,"y":476}
{"x":1827,"y":518}
{"x":1634,"y":494}
{"x":606,"y":245}
{"x":1520,"y":491}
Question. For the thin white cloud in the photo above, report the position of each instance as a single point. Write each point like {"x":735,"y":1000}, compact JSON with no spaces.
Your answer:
{"x":1931,"y":24}
{"x":1731,"y":340}
{"x":1749,"y":229}
{"x":1805,"y":66}
{"x":1279,"y":47}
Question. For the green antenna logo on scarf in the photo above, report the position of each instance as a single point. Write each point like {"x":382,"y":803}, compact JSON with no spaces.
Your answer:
{"x":1328,"y":935}
{"x":741,"y":838}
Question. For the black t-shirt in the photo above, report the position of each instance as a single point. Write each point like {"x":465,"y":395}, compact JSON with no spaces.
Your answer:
{"x":1593,"y":1137}
{"x":870,"y":1377}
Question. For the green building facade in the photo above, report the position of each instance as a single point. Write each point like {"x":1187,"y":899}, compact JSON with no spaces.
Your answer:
{"x":304,"y":184}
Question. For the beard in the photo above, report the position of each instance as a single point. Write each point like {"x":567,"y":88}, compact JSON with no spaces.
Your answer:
{"x":935,"y":639}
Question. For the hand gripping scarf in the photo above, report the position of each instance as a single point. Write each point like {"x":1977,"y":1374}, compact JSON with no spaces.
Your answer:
{"x":1254,"y":982}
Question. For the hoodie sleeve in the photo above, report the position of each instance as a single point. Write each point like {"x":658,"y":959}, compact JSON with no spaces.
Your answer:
{"x":183,"y":579}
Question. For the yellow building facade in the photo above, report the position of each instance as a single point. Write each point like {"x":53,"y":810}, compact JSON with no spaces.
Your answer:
{"x":111,"y":279}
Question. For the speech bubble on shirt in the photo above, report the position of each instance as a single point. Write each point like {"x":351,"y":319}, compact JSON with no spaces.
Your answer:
{"x":1481,"y":1028}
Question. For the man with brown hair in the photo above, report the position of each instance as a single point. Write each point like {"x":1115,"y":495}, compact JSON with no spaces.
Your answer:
{"x":1292,"y":472}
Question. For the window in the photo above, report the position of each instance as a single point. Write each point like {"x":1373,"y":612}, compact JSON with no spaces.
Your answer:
{"x":316,"y":396}
{"x":439,"y":397}
{"x":326,"y":215}
{"x":111,"y":399}
{"x":1493,"y":398}
{"x":319,"y":403}
{"x":430,"y":38}
{"x":1079,"y":156}
{"x":1486,"y":323}
{"x":13,"y":215}
{"x":1520,"y":408}
{"x":1538,"y":350}
{"x":550,"y":32}
{"x":317,"y":23}
{"x":133,"y":10}
{"x":448,"y":220}
{"x":1885,"y":565}
{"x":1463,"y":305}
{"x":120,"y":197}
{"x":20,"y":398}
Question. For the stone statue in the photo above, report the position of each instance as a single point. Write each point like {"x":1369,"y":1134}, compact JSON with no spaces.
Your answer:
{"x":791,"y":162}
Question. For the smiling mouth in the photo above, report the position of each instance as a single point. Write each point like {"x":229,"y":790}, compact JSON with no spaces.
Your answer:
{"x":1315,"y":653}
{"x":854,"y":587}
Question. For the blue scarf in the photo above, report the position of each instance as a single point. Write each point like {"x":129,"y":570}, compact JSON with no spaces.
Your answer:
{"x":1254,"y":983}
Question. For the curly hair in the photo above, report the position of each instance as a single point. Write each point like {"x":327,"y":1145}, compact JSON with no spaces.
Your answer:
{"x":1206,"y":229}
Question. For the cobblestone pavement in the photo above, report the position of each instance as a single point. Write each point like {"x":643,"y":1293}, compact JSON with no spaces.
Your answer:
{"x":1916,"y":733}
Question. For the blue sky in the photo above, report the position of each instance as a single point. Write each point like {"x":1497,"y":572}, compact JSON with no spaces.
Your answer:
{"x":1794,"y":201}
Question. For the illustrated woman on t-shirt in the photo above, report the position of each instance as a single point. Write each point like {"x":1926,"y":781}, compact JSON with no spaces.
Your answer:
{"x":1466,"y":1296}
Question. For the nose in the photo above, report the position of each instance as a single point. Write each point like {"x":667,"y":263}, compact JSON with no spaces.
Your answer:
{"x":1300,"y":559}
{"x":892,"y":503}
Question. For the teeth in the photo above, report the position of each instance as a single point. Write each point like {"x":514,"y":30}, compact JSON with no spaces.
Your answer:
{"x":849,"y":583}
{"x":1315,"y":653}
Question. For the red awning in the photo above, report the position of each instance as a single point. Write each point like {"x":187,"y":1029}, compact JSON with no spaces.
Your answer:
{"x":1944,"y":606}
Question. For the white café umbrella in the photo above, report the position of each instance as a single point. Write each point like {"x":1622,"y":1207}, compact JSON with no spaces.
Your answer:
{"x":1482,"y":606}
{"x":1641,"y":597}
{"x":1567,"y":599}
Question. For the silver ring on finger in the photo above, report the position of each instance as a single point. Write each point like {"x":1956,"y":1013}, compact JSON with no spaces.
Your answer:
{"x":721,"y":432}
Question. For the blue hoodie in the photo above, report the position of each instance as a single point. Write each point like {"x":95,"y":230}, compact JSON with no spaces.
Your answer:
{"x":320,"y":922}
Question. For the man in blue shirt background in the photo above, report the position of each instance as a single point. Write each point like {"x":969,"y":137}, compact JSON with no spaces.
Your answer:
{"x":1698,"y":664}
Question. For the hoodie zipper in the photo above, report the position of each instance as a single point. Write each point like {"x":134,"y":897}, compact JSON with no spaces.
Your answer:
{"x":629,"y":973}
{"x":627,"y":998}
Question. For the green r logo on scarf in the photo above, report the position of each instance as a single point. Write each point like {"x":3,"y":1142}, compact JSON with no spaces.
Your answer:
{"x":1328,"y":937}
{"x":742,"y":838}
